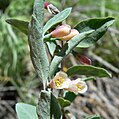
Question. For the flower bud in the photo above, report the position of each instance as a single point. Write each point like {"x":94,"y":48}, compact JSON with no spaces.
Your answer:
{"x":84,"y":59}
{"x":73,"y":33}
{"x":61,"y":31}
{"x":46,"y":4}
{"x":60,"y":81}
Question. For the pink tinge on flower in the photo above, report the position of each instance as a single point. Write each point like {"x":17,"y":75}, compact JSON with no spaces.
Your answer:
{"x":46,"y":4}
{"x":60,"y":81}
{"x":77,"y":86}
{"x":73,"y":33}
{"x":61,"y":31}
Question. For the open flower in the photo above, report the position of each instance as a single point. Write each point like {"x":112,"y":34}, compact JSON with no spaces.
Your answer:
{"x":77,"y":86}
{"x":60,"y":81}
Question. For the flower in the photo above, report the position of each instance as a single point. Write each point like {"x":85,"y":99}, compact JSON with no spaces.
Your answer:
{"x":77,"y":86}
{"x":73,"y":33}
{"x":61,"y":31}
{"x":60,"y":81}
{"x":51,"y":8}
{"x":46,"y":4}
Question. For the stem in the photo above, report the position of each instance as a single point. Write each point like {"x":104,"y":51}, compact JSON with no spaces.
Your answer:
{"x":63,"y":112}
{"x":62,"y":63}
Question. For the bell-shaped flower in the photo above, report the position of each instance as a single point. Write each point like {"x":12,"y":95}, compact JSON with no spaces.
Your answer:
{"x":61,"y":31}
{"x":73,"y":33}
{"x":60,"y":81}
{"x":77,"y":86}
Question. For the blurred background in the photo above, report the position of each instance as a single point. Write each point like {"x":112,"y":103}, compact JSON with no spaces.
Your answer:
{"x":18,"y":82}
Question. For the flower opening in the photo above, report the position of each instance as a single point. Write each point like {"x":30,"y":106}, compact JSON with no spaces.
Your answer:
{"x":60,"y":81}
{"x":77,"y":86}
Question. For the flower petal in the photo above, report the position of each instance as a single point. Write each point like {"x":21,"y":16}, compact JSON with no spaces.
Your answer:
{"x":77,"y":86}
{"x":60,"y":81}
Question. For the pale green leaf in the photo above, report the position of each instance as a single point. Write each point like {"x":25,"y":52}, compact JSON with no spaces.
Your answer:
{"x":88,"y":70}
{"x":57,"y":19}
{"x":19,"y":24}
{"x":43,"y":108}
{"x":26,"y":111}
{"x":100,"y":25}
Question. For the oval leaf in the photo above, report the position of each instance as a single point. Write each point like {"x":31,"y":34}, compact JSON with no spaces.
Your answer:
{"x":70,"y":96}
{"x":63,"y":102}
{"x":37,"y":47}
{"x":43,"y":108}
{"x":55,"y":108}
{"x":19,"y":24}
{"x":100,"y":25}
{"x":88,"y":70}
{"x":51,"y":47}
{"x":57,"y":19}
{"x":26,"y":111}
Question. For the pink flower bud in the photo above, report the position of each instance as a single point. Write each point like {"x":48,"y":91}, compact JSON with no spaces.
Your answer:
{"x":60,"y":81}
{"x":46,"y":4}
{"x":61,"y":31}
{"x":73,"y":33}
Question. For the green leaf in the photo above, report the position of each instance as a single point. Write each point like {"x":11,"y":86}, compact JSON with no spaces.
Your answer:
{"x":93,"y":117}
{"x":19,"y":24}
{"x":55,"y":108}
{"x":100,"y":25}
{"x":63,"y":102}
{"x":88,"y":70}
{"x":51,"y":47}
{"x":70,"y":96}
{"x":57,"y":19}
{"x":37,"y":47}
{"x":43,"y":108}
{"x":26,"y":111}
{"x":67,"y":48}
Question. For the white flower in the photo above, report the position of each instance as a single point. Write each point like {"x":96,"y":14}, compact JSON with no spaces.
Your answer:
{"x":77,"y":86}
{"x":60,"y":81}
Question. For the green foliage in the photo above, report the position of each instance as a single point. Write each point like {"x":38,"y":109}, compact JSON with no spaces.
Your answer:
{"x":57,"y":19}
{"x":21,"y":25}
{"x":51,"y":46}
{"x":37,"y":46}
{"x":91,"y":31}
{"x":88,"y":71}
{"x":70,"y":96}
{"x":43,"y":108}
{"x":63,"y":102}
{"x":100,"y":25}
{"x":55,"y":108}
{"x":26,"y":111}
{"x":66,"y":50}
